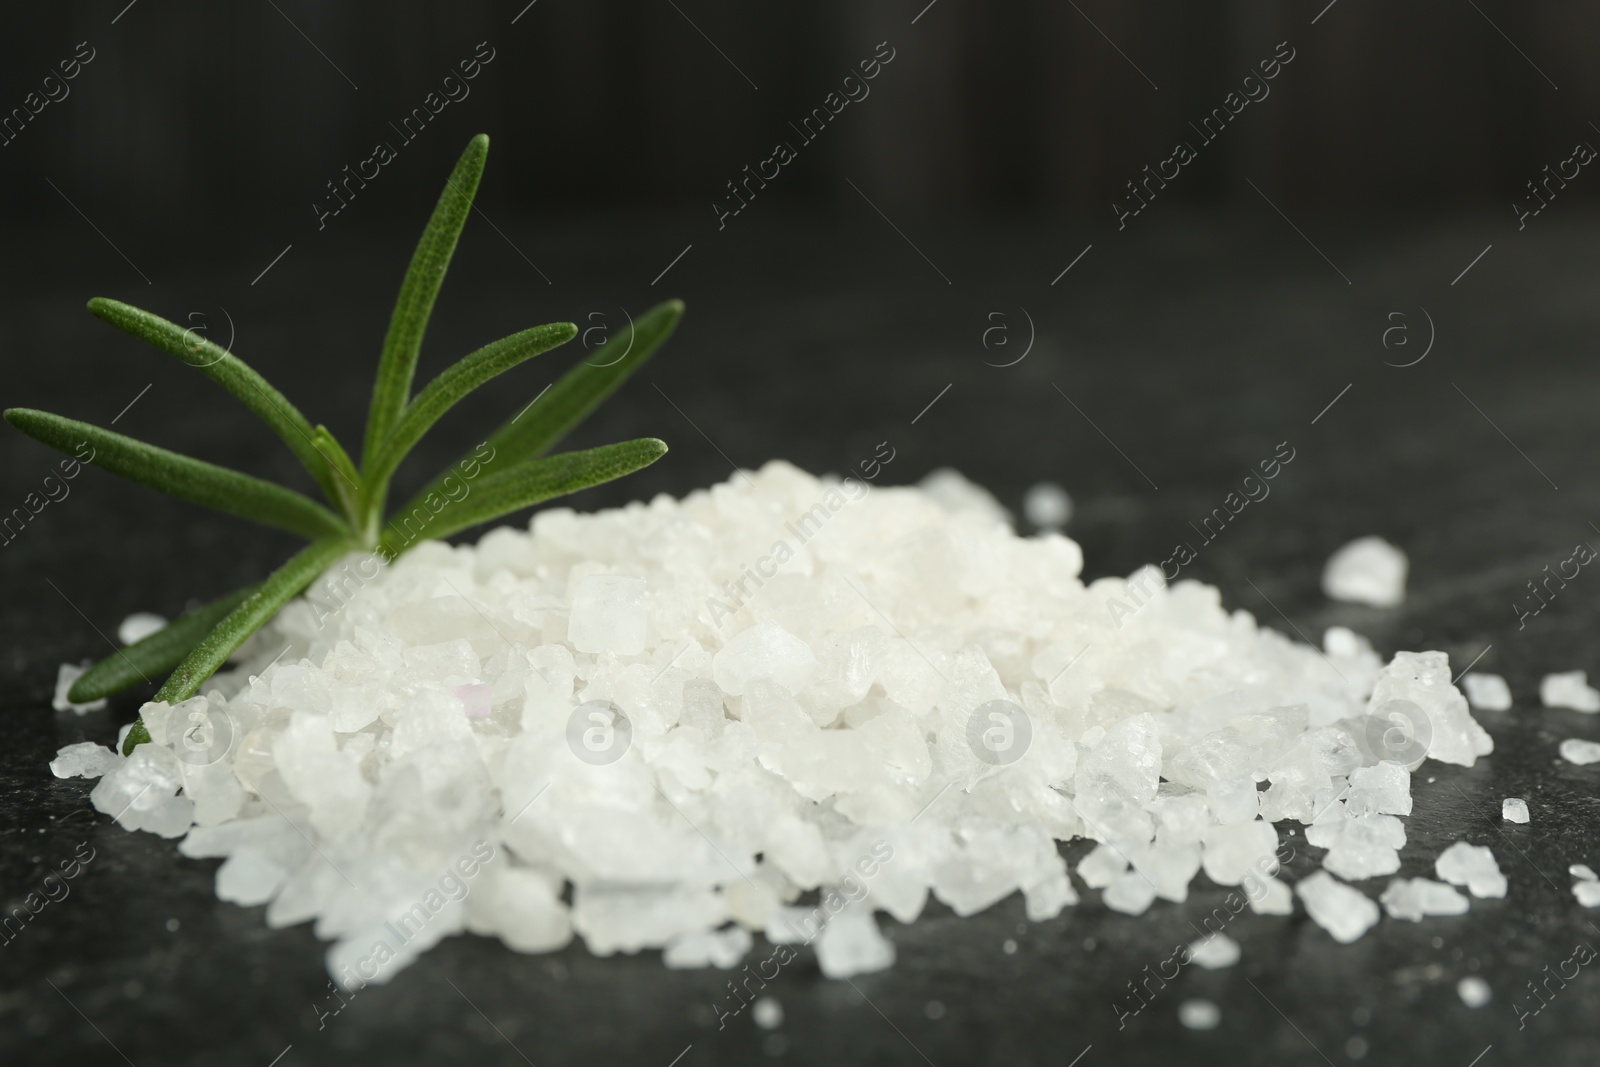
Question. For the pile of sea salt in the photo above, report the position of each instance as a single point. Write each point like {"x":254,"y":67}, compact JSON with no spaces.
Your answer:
{"x":775,"y":707}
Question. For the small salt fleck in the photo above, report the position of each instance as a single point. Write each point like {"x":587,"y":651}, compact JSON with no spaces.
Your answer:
{"x":1047,"y":506}
{"x":172,"y":926}
{"x":1473,"y":991}
{"x":1009,"y":947}
{"x":1215,"y":952}
{"x":1579,"y":751}
{"x":1368,"y":570}
{"x":1569,"y":689}
{"x":1487,"y":692}
{"x":933,"y":1010}
{"x":767,"y":1013}
{"x":1514,"y":809}
{"x":138,"y":626}
{"x":1199,"y":1014}
{"x":1356,"y":1047}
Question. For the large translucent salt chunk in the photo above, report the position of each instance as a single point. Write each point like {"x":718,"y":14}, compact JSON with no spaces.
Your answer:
{"x":1472,"y":866}
{"x":1384,"y":789}
{"x":83,"y":760}
{"x":1412,"y":899}
{"x":1576,"y":750}
{"x":764,"y":651}
{"x":1130,"y":893}
{"x":1487,"y":692}
{"x":1569,"y":689}
{"x":67,"y":675}
{"x":1231,"y":852}
{"x":1450,"y":735}
{"x":609,"y":614}
{"x":722,"y":949}
{"x":1368,"y":570}
{"x":851,"y":944}
{"x":1344,"y":912}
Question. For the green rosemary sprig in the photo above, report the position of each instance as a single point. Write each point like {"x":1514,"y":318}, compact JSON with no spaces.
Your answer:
{"x":517,"y":474}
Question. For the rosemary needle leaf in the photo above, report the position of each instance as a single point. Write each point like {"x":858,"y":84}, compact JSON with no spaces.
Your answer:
{"x":181,"y":476}
{"x":531,"y":482}
{"x":441,"y":394}
{"x":228,"y":371}
{"x":156,"y":654}
{"x":392,"y":388}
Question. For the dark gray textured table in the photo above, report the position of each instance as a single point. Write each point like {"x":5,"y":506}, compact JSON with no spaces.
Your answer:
{"x":1195,"y":350}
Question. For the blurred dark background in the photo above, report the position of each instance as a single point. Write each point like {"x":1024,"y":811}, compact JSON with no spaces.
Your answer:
{"x":942,"y":268}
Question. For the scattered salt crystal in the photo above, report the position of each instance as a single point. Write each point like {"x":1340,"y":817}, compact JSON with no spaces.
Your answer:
{"x":1583,"y":871}
{"x":1413,"y":898}
{"x":1487,"y":692}
{"x":1271,"y":897}
{"x":1215,"y":952}
{"x":83,"y":760}
{"x":66,"y":675}
{"x":1385,"y":788}
{"x":1101,"y":866}
{"x":1473,"y":991}
{"x":1514,"y":809}
{"x":1368,"y":570}
{"x":722,"y":949}
{"x":851,"y":944}
{"x":1047,"y":506}
{"x":1472,"y":866}
{"x":138,"y":626}
{"x":1446,"y":730}
{"x":1587,"y":892}
{"x":1344,"y":912}
{"x":1576,"y":750}
{"x":1199,"y":1014}
{"x":1569,"y":689}
{"x":767,"y":1013}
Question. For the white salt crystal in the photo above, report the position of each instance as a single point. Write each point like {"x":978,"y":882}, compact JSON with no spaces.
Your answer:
{"x":1514,"y":809}
{"x":1368,"y":570}
{"x":66,"y":675}
{"x":1199,"y":1014}
{"x":1215,"y":952}
{"x":722,"y":949}
{"x":1569,"y":689}
{"x":1576,"y":750}
{"x":1450,"y":733}
{"x":1588,"y":893}
{"x":1385,"y":789}
{"x":1271,"y":897}
{"x":1473,"y":991}
{"x":1234,"y":800}
{"x":1047,"y":506}
{"x":1583,"y":871}
{"x":1472,"y":866}
{"x":851,"y":944}
{"x":765,"y":650}
{"x":767,"y":1013}
{"x":1130,"y":893}
{"x":138,"y":626}
{"x":1101,"y":866}
{"x":609,"y":614}
{"x":951,"y":490}
{"x":249,"y":877}
{"x":1233,"y":852}
{"x":1344,"y":912}
{"x":1413,"y":898}
{"x":1488,"y":692}
{"x":83,"y":760}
